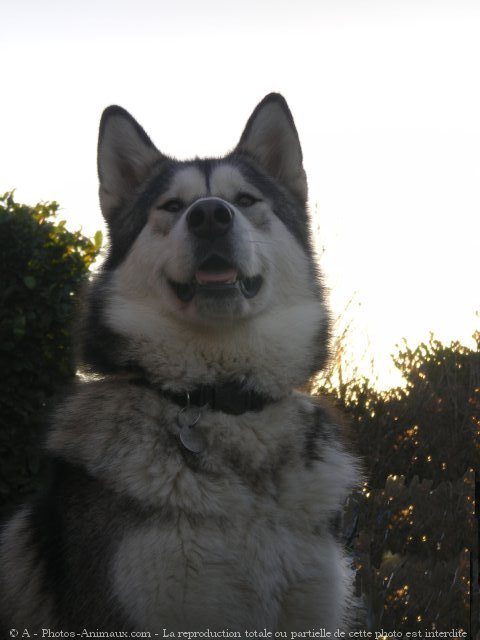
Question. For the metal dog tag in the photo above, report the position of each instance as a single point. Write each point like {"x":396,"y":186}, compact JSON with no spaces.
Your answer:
{"x":190,"y":437}
{"x":192,"y":440}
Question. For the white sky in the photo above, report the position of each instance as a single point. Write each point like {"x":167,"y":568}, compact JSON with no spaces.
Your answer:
{"x":385,"y":95}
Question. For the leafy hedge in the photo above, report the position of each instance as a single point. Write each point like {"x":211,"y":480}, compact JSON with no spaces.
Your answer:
{"x":42,"y":268}
{"x":413,"y":528}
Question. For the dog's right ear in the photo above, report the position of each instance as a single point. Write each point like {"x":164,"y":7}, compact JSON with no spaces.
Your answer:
{"x":125,"y":157}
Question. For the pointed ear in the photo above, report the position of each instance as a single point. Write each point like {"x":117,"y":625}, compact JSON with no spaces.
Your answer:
{"x":125,"y":156}
{"x":271,"y":138}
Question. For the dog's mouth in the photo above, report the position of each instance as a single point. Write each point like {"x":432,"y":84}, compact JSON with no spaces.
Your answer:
{"x":216,"y":276}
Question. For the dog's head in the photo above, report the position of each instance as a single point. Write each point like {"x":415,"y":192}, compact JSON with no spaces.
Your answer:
{"x":216,"y":245}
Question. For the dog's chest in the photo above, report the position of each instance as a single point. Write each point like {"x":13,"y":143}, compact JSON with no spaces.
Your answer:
{"x":190,"y":573}
{"x":230,"y":539}
{"x":234,"y":531}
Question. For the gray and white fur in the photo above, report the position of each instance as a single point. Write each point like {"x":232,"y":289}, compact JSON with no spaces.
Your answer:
{"x":210,"y":281}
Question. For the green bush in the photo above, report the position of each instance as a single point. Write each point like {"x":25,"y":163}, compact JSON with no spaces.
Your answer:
{"x":42,"y":268}
{"x":431,"y":427}
{"x":412,"y":528}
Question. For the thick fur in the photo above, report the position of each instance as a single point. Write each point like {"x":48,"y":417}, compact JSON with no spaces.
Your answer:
{"x":136,"y":531}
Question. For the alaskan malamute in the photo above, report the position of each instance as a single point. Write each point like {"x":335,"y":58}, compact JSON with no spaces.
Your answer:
{"x":193,"y":488}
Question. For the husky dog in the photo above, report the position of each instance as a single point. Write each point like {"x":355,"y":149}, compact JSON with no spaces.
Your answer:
{"x":193,"y":489}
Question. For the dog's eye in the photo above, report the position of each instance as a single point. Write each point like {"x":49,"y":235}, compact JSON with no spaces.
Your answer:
{"x":245,"y":200}
{"x":172,"y":206}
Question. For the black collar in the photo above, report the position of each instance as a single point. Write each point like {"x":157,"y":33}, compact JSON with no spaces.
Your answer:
{"x":230,"y":397}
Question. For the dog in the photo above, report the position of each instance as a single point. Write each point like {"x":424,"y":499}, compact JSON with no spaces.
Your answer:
{"x":193,"y":488}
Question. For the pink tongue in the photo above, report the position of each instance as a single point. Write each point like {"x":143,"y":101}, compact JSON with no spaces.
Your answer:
{"x":225,"y":277}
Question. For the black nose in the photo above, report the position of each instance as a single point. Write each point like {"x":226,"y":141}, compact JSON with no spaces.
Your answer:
{"x":210,"y":218}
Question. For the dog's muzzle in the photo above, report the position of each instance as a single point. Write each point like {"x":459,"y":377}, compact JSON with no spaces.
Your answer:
{"x":210,"y":221}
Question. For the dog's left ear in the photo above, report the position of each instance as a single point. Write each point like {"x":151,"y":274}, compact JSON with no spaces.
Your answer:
{"x":271,"y":138}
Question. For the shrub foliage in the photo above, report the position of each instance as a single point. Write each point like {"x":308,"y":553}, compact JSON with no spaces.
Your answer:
{"x":42,"y":267}
{"x":413,"y":527}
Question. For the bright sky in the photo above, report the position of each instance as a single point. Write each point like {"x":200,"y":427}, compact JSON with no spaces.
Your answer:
{"x":385,"y":95}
